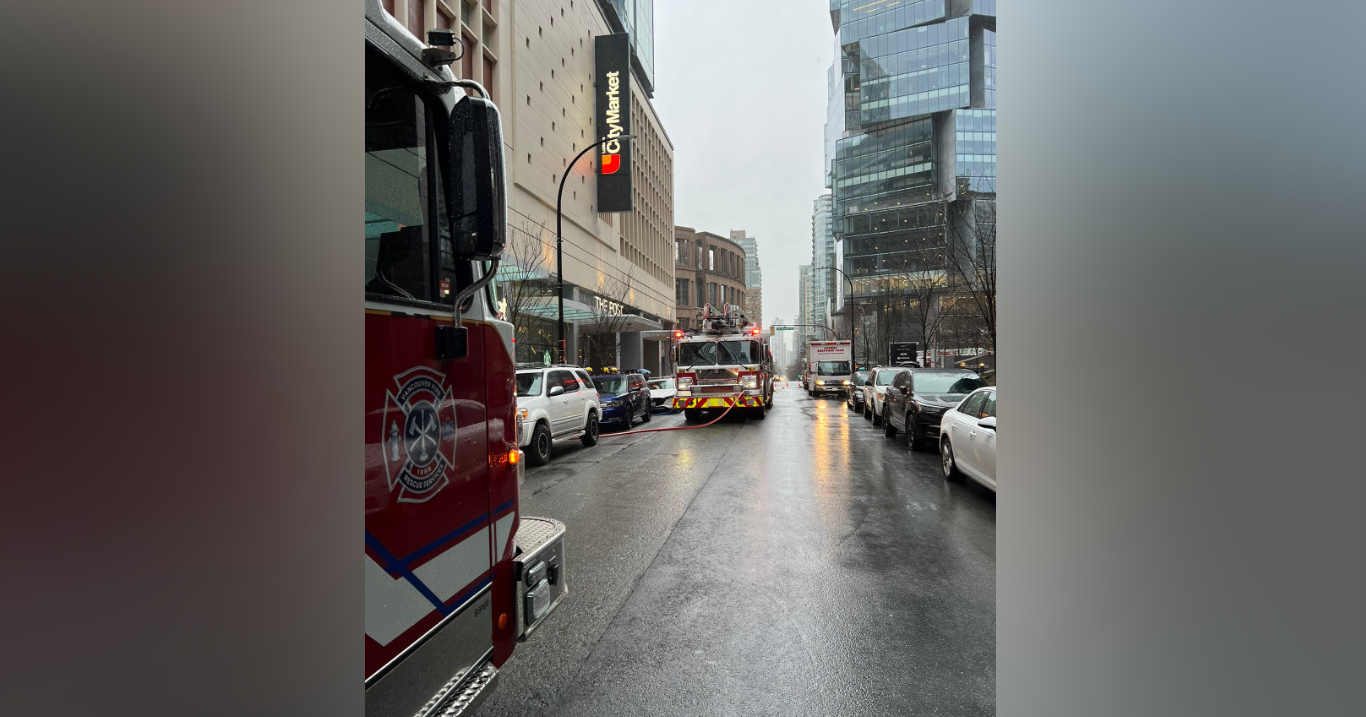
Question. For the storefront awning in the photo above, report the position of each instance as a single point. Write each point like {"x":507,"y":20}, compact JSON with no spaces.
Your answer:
{"x":547,"y":307}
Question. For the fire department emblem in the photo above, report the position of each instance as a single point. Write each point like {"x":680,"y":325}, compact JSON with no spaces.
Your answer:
{"x":419,"y":435}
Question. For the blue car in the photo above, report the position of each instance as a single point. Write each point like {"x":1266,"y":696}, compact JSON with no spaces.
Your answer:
{"x":623,"y":397}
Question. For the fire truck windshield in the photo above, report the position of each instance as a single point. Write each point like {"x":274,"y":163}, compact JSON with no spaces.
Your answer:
{"x":714,"y":353}
{"x":404,"y":209}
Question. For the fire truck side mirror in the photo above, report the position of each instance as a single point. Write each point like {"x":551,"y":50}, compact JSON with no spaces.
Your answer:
{"x":475,"y":196}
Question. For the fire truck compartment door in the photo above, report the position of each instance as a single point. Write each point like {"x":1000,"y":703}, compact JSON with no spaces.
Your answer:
{"x":458,"y":646}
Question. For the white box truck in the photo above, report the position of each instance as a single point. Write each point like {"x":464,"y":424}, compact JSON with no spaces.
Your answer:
{"x":830,"y":364}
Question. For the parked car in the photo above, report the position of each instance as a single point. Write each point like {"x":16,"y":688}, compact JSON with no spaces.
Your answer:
{"x":555,"y":402}
{"x":967,"y":438}
{"x":623,"y":397}
{"x":918,"y":398}
{"x":662,"y":392}
{"x":875,"y":390}
{"x":854,"y":398}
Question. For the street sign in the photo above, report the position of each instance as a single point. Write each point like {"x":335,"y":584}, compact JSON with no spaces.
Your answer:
{"x":785,"y":328}
{"x":902,"y":353}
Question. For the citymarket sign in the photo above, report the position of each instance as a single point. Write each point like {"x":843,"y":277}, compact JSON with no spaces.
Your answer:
{"x":612,"y":62}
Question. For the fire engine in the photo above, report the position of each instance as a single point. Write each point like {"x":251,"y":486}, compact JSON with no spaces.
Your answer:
{"x":722,"y":363}
{"x":455,"y":576}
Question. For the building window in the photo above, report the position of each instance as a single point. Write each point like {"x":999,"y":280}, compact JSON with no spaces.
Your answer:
{"x":681,"y":292}
{"x":711,"y":294}
{"x":417,"y":10}
{"x":488,"y":80}
{"x":711,"y":259}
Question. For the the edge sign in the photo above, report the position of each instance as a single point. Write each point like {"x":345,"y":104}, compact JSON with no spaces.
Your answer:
{"x":612,"y":57}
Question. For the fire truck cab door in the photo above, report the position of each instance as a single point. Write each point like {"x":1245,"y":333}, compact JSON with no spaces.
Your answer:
{"x":429,"y":515}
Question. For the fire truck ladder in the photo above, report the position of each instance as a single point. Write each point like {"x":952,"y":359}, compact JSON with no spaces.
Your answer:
{"x":725,"y":319}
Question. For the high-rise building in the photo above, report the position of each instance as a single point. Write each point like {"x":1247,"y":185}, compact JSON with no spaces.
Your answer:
{"x":754,"y":276}
{"x":778,"y":346}
{"x":810,"y":321}
{"x":910,"y":138}
{"x":637,"y":18}
{"x":825,"y":292}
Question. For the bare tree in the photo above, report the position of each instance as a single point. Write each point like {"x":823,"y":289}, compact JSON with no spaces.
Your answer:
{"x":598,"y":334}
{"x":906,"y":303}
{"x":972,"y":251}
{"x":528,"y":285}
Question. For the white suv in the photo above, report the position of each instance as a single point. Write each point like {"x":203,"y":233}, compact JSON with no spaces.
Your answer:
{"x":876,"y":390}
{"x":555,"y":402}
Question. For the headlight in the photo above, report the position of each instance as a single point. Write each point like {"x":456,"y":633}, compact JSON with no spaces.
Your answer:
{"x":749,"y":381}
{"x":820,"y":383}
{"x":684,"y":382}
{"x":845,"y":382}
{"x":611,"y":403}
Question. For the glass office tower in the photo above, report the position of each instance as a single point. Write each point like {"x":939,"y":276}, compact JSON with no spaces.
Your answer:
{"x":637,"y":19}
{"x":918,"y":112}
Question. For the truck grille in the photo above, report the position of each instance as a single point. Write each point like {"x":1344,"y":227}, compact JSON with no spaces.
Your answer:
{"x":718,"y":375}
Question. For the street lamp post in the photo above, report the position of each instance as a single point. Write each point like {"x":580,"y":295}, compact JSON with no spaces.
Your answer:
{"x":849,"y":302}
{"x":559,"y":234}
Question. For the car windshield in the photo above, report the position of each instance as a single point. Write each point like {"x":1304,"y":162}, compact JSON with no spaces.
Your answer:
{"x":885,"y":378}
{"x":610,"y":384}
{"x":860,"y":377}
{"x":662,"y":383}
{"x":528,"y":384}
{"x":947,"y":382}
{"x":712,"y":353}
{"x":832,"y":368}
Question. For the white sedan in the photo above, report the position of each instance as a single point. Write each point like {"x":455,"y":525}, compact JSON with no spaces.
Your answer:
{"x":662,"y":392}
{"x":967,"y":438}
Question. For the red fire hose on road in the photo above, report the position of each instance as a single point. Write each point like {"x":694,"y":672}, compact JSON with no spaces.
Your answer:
{"x":733,"y":404}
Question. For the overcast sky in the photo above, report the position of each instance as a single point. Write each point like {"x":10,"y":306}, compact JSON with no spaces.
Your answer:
{"x":740,"y":88}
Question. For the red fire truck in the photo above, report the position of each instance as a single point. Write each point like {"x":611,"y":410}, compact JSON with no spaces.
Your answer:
{"x":724,"y":362}
{"x":454,"y":574}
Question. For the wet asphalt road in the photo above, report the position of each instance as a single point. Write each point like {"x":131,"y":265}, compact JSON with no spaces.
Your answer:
{"x":799,"y":565}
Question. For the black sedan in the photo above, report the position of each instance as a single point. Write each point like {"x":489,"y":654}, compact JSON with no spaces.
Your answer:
{"x":854,"y":399}
{"x":918,"y":398}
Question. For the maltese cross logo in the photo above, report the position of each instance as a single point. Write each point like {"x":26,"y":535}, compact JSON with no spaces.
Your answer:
{"x":419,"y":435}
